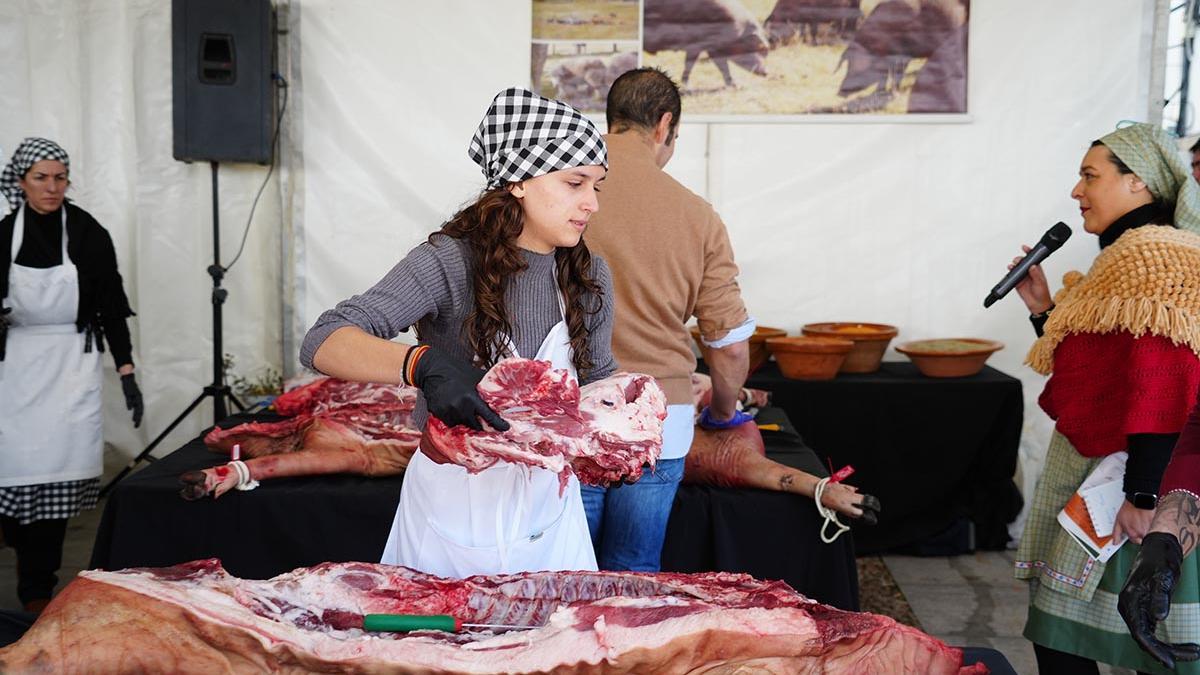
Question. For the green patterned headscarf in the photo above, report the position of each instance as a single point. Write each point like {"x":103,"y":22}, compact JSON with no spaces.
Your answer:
{"x":1154,"y":156}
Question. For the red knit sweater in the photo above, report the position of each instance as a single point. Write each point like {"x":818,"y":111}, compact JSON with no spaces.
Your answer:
{"x":1106,"y":387}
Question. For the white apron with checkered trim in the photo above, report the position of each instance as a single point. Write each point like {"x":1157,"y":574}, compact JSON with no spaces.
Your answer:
{"x":50,"y":420}
{"x":505,"y":519}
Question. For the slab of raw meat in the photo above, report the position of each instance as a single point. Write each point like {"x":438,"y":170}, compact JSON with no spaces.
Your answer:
{"x":605,"y":431}
{"x":195,"y":618}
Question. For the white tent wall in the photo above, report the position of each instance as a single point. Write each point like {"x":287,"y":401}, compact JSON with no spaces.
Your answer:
{"x":903,"y":223}
{"x":95,"y":75}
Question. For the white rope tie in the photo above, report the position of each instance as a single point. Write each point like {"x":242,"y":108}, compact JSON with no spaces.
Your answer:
{"x":830,"y":515}
{"x":245,"y":482}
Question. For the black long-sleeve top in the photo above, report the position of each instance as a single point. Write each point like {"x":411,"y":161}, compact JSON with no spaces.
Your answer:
{"x":103,"y":305}
{"x":1148,"y":453}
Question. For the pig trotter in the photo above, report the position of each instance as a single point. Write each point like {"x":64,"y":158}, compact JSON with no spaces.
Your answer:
{"x":193,"y":485}
{"x":870,"y":509}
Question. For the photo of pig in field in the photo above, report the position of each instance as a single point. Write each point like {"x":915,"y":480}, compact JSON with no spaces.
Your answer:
{"x":801,"y":57}
{"x":580,"y":73}
{"x":724,"y":30}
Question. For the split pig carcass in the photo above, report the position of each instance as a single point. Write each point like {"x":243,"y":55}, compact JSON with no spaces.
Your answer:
{"x":196,"y":618}
{"x":604,"y":432}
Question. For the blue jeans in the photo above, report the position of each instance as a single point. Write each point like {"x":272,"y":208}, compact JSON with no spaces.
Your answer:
{"x":628,"y":523}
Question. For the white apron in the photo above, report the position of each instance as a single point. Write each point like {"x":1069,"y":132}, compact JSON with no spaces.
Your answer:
{"x":50,"y":420}
{"x":502,"y":520}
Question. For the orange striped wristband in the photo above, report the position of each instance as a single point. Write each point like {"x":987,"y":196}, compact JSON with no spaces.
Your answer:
{"x":409,"y":368}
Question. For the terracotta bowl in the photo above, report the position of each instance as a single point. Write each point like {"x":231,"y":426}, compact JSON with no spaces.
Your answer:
{"x":949,"y":357}
{"x":758,"y":344}
{"x":870,"y":342}
{"x":809,"y":358}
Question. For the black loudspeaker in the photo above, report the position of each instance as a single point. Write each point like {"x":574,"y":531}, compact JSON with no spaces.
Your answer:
{"x":222,"y":60}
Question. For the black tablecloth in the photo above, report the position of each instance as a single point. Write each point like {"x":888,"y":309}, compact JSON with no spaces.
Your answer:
{"x":935,"y":451}
{"x":283,"y":524}
{"x":298,"y":522}
{"x":771,"y":535}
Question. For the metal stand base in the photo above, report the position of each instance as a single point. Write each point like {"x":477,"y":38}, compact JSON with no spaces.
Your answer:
{"x":218,"y":390}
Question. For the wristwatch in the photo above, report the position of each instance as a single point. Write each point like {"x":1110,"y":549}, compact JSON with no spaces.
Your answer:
{"x":1144,"y":500}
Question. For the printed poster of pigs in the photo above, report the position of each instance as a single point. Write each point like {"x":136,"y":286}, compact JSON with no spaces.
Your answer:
{"x":761,"y":57}
{"x":581,"y":46}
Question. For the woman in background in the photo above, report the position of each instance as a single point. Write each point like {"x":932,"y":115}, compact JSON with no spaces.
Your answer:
{"x":61,"y":299}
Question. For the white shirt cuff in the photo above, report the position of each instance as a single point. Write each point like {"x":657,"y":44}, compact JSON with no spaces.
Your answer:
{"x":739,"y":333}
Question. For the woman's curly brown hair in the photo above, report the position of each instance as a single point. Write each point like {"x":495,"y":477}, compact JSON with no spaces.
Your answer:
{"x":491,"y":225}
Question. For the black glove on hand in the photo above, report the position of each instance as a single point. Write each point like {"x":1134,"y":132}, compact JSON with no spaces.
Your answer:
{"x":4,"y":323}
{"x":449,"y":388}
{"x":133,"y":398}
{"x":1146,"y":598}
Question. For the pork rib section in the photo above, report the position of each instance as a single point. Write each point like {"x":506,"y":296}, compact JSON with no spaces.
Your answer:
{"x":196,"y":618}
{"x":605,"y":431}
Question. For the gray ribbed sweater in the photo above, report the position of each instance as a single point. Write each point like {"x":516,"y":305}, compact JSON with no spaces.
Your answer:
{"x":432,"y":288}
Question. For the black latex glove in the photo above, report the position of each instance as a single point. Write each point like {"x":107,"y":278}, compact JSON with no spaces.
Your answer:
{"x":1146,"y":598}
{"x":4,"y":323}
{"x":133,"y":398}
{"x":449,"y":388}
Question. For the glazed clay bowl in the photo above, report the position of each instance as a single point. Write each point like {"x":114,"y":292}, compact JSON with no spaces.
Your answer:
{"x":758,"y":344}
{"x":870,"y":342}
{"x":949,"y":357}
{"x":809,"y":358}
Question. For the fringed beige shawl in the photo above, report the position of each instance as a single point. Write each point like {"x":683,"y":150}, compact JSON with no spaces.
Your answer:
{"x":1148,"y":281}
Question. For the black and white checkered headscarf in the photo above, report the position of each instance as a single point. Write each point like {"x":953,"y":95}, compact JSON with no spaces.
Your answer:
{"x":29,"y":152}
{"x":524,"y":135}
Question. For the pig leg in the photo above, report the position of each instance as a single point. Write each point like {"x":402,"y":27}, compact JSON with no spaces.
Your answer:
{"x":260,"y":438}
{"x":326,"y":449}
{"x":689,"y":60}
{"x":722,"y":65}
{"x":374,"y":458}
{"x":736,"y":458}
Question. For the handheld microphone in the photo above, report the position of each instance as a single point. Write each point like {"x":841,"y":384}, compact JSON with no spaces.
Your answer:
{"x":1049,"y":243}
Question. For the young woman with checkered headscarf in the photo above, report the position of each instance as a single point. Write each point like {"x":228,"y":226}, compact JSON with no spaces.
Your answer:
{"x":61,"y":300}
{"x":509,"y":274}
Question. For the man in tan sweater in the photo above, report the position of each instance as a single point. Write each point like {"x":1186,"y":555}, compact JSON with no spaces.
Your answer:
{"x":671,"y":260}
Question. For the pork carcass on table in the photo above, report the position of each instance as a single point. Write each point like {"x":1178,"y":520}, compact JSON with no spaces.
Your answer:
{"x":334,"y":426}
{"x":196,"y":618}
{"x":604,"y":431}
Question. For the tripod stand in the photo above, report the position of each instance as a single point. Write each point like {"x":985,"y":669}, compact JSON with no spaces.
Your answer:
{"x":218,"y":390}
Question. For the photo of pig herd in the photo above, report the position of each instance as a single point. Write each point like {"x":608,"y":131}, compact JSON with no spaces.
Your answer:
{"x":760,"y":57}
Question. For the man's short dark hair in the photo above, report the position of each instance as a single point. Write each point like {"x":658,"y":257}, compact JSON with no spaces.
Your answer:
{"x":1195,"y":147}
{"x":639,"y":98}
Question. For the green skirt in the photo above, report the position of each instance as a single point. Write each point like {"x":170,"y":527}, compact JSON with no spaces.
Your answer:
{"x":1073,"y":598}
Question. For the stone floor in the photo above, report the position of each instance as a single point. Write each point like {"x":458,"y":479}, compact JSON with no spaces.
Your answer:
{"x":971,"y":600}
{"x":964,"y":600}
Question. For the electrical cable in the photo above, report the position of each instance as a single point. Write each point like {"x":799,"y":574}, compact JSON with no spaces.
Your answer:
{"x":281,"y":83}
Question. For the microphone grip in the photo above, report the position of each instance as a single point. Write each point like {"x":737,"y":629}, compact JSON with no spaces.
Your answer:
{"x":1017,"y":273}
